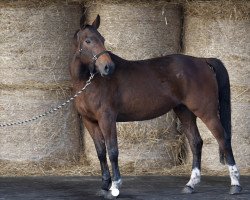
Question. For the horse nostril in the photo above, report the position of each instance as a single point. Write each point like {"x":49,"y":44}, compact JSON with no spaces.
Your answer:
{"x":106,"y":69}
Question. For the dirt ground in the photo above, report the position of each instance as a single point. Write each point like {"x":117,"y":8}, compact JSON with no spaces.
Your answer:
{"x":134,"y":187}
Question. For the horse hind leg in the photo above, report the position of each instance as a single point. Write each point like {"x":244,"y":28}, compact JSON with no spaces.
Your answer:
{"x":222,"y":157}
{"x":214,"y":125}
{"x":188,"y":122}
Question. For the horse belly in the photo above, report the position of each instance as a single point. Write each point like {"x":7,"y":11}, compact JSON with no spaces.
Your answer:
{"x":145,"y":108}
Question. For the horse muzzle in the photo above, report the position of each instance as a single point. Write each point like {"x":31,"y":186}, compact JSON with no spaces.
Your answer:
{"x":108,"y":69}
{"x":104,"y":65}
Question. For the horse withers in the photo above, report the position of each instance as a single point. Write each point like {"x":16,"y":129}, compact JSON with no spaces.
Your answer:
{"x":123,"y":91}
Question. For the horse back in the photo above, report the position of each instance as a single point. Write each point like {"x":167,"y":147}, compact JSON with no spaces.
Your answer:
{"x":150,"y":88}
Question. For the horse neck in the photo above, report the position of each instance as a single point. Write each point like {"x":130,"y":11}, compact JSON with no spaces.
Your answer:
{"x":118,"y":60}
{"x":78,"y":71}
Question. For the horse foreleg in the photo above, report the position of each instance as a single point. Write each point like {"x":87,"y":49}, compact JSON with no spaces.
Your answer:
{"x":188,"y":122}
{"x":100,"y":146}
{"x":108,"y":127}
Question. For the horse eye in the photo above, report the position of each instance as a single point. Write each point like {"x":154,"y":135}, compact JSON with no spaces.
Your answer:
{"x":87,"y":41}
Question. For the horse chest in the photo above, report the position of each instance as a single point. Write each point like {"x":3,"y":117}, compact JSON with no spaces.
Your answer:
{"x":86,"y":106}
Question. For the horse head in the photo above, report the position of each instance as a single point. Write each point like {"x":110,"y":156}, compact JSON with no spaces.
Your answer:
{"x":91,"y":49}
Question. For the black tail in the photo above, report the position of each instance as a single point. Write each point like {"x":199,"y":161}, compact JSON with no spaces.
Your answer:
{"x":224,"y":99}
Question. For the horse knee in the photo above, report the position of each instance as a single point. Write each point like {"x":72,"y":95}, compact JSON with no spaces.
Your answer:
{"x":113,"y":154}
{"x":101,"y":154}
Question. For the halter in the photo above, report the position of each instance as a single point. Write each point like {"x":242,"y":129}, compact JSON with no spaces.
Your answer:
{"x":95,"y":56}
{"x":94,"y":59}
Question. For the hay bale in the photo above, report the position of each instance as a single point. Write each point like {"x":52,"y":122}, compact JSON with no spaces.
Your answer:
{"x":221,"y":29}
{"x":35,"y":40}
{"x":140,"y":30}
{"x":54,"y":138}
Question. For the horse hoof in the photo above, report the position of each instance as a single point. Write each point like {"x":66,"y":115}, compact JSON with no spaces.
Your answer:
{"x":188,"y":190}
{"x":110,"y":195}
{"x":235,"y":189}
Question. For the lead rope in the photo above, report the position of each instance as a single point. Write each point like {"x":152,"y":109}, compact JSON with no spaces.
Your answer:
{"x":88,"y":82}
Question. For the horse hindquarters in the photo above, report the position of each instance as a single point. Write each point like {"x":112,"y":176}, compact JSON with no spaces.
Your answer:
{"x":220,"y":126}
{"x":226,"y":152}
{"x":224,"y":100}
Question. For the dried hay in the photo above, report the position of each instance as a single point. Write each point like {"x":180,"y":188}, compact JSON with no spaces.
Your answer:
{"x":54,"y":138}
{"x":35,"y":40}
{"x":80,"y":169}
{"x":222,"y":29}
{"x":37,"y":3}
{"x":77,"y":169}
{"x":152,"y":144}
{"x":140,"y":30}
{"x":218,"y":9}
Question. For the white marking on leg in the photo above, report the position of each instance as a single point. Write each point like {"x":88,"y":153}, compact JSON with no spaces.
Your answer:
{"x":115,"y":187}
{"x":195,"y":178}
{"x":234,"y":175}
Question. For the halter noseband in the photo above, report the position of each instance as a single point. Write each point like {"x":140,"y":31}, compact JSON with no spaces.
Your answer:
{"x":94,"y":59}
{"x":95,"y":56}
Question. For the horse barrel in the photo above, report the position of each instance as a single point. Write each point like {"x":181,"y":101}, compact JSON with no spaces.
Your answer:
{"x":139,"y":31}
{"x":221,"y":29}
{"x":35,"y":46}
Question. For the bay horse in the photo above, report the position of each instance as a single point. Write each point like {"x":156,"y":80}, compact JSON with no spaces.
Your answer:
{"x":124,"y":91}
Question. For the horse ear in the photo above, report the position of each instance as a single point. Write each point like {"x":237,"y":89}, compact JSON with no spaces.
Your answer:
{"x":75,"y":42}
{"x":96,"y":23}
{"x":82,"y":21}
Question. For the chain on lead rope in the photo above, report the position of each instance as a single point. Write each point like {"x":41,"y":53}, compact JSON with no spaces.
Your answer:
{"x":88,"y":82}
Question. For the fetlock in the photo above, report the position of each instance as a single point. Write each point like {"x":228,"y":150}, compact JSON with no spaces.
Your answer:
{"x":106,"y":183}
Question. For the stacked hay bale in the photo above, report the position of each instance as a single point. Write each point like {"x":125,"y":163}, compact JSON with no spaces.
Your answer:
{"x":139,"y":30}
{"x":35,"y":39}
{"x":221,"y":29}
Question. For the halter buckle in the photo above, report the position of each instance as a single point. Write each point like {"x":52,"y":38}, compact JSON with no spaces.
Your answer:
{"x":95,"y":57}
